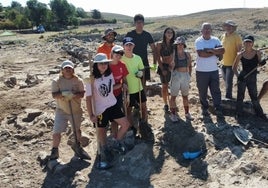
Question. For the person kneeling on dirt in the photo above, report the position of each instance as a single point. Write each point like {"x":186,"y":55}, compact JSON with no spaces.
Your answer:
{"x":68,"y":90}
{"x":102,"y":107}
{"x":247,"y":78}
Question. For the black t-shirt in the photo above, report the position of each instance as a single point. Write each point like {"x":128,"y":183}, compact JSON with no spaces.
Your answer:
{"x":141,"y":43}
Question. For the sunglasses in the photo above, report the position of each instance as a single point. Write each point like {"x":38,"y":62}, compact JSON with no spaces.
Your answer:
{"x":104,"y":63}
{"x":119,"y":52}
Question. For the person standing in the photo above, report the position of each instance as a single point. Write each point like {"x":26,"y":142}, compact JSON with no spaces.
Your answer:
{"x":180,"y":79}
{"x":164,"y":56}
{"x":208,"y":47}
{"x":136,"y":92}
{"x":119,"y":71}
{"x":109,"y":38}
{"x":142,"y":39}
{"x":67,"y":90}
{"x":99,"y":93}
{"x":250,"y":59}
{"x":232,"y":44}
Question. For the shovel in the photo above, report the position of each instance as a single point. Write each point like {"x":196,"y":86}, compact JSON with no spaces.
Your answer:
{"x":244,"y":136}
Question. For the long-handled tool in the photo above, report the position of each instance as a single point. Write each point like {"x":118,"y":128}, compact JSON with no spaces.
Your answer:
{"x":76,"y":146}
{"x":244,"y":136}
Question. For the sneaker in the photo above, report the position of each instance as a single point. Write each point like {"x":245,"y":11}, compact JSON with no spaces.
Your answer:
{"x":173,"y":118}
{"x":189,"y":117}
{"x":166,"y":108}
{"x":54,"y":154}
{"x":80,"y":152}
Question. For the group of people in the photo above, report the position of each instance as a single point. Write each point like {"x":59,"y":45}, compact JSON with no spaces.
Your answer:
{"x":117,"y":83}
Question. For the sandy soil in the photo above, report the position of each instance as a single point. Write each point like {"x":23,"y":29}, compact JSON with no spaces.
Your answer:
{"x":225,"y":162}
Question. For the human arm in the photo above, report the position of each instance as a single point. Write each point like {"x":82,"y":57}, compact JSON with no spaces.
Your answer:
{"x":235,"y":64}
{"x":89,"y":106}
{"x":153,"y":48}
{"x":189,"y":63}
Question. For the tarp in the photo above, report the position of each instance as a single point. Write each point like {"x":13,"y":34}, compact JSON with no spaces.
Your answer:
{"x":7,"y":33}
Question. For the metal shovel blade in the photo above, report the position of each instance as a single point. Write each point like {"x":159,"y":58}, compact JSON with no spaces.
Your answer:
{"x":243,"y":135}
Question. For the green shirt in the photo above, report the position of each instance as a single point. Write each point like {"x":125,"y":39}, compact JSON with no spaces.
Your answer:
{"x":133,"y":65}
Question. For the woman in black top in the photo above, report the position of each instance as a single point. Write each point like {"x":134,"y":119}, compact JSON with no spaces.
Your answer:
{"x":247,"y":78}
{"x":164,"y":57}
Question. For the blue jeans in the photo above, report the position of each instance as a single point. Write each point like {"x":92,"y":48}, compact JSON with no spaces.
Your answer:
{"x":227,"y":75}
{"x":209,"y":80}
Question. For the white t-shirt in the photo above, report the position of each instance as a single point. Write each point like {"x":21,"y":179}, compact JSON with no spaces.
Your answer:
{"x":207,"y":64}
{"x":103,"y":93}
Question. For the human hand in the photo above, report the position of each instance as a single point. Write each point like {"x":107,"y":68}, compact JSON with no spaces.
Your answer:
{"x":139,"y":74}
{"x":68,"y":95}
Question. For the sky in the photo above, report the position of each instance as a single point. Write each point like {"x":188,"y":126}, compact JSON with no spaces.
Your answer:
{"x":153,"y":8}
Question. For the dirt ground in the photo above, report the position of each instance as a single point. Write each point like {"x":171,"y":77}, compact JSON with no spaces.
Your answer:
{"x":224,"y":161}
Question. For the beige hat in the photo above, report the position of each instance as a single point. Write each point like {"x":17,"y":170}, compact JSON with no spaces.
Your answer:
{"x":230,"y":22}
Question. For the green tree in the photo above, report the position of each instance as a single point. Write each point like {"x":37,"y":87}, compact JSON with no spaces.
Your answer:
{"x":81,"y":13}
{"x":1,"y":7}
{"x":96,"y":14}
{"x":37,"y":12}
{"x":63,"y":11}
{"x":22,"y":22}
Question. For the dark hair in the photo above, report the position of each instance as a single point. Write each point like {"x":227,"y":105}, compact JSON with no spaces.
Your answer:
{"x":96,"y":73}
{"x":173,"y":37}
{"x":165,"y":47}
{"x":138,"y":17}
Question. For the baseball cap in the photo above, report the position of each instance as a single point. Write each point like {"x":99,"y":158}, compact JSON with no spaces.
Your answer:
{"x":117,"y":48}
{"x":128,"y":40}
{"x":67,"y":63}
{"x":230,"y":22}
{"x":248,"y":38}
{"x":180,"y":40}
{"x":107,"y":32}
{"x":101,"y":58}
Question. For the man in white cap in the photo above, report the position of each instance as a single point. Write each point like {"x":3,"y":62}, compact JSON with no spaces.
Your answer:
{"x":67,"y":90}
{"x":232,"y":44}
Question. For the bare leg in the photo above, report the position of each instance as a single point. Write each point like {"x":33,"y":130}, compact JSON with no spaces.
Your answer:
{"x":185,"y":104}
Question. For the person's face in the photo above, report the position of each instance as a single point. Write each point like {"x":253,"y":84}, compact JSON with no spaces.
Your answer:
{"x":206,"y":31}
{"x":228,"y":28}
{"x":110,"y":37}
{"x":67,"y":72}
{"x":117,"y":55}
{"x":103,"y":67}
{"x":248,"y":44}
{"x":128,"y":48}
{"x":139,"y":25}
{"x":169,"y":34}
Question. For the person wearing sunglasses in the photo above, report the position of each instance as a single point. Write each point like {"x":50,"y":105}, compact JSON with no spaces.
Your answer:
{"x":119,"y":71}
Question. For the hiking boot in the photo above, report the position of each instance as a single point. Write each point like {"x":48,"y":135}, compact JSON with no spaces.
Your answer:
{"x":189,"y":117}
{"x":166,"y":108}
{"x":80,"y":152}
{"x":54,"y":154}
{"x":173,"y":117}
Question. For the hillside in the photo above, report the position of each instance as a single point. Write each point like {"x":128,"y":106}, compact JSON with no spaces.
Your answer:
{"x":28,"y":64}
